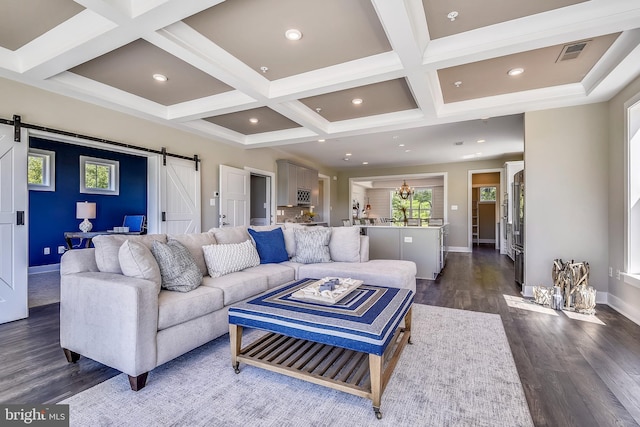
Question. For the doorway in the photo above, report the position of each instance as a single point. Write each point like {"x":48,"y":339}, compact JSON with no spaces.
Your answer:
{"x":484,"y":208}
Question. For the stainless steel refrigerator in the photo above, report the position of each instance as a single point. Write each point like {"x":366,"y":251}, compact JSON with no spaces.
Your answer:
{"x":518,"y":226}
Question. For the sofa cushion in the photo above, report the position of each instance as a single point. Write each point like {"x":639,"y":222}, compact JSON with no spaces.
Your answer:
{"x":136,"y":260}
{"x":289,"y":241}
{"x":194,"y":243}
{"x":277,"y":274}
{"x":270,"y":245}
{"x":223,"y":259}
{"x":108,"y":245}
{"x":178,"y":269}
{"x":178,"y":307}
{"x":231,"y":234}
{"x":237,"y":286}
{"x":312,"y":246}
{"x":381,"y":272}
{"x":344,"y":245}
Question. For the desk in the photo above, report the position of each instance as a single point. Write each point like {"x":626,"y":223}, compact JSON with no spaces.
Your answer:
{"x":69,"y":235}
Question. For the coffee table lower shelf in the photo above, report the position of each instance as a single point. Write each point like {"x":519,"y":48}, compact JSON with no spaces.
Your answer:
{"x":362,"y":374}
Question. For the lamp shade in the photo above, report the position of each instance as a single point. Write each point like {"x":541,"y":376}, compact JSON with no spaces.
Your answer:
{"x":85,"y":210}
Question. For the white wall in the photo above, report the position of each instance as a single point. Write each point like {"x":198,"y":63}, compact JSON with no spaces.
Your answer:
{"x":566,"y":186}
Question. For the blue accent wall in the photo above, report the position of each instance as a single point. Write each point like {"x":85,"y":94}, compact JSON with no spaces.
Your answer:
{"x":51,"y":213}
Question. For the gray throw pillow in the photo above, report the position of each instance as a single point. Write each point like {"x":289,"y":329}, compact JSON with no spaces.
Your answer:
{"x":178,"y":269}
{"x":312,"y":246}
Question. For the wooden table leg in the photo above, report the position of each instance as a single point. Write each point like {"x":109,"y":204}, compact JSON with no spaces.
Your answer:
{"x":235,"y":336}
{"x":375,"y":374}
{"x":407,"y":323}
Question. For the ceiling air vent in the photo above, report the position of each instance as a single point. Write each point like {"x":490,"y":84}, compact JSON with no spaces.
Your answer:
{"x":571,"y":51}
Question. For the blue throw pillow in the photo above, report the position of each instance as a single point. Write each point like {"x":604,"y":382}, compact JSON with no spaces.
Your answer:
{"x":270,"y":245}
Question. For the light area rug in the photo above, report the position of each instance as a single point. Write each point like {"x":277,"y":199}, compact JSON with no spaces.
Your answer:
{"x":459,"y":371}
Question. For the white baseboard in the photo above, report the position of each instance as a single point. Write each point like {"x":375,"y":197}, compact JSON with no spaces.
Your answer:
{"x":627,"y":310}
{"x":44,"y":268}
{"x":459,"y":249}
{"x":487,"y":241}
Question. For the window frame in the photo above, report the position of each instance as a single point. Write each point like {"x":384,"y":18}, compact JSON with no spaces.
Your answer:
{"x":48,"y":170}
{"x":480,"y":201}
{"x":411,"y":210}
{"x":631,"y":270}
{"x":114,"y":176}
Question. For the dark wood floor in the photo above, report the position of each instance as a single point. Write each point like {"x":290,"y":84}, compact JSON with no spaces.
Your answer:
{"x":574,"y":373}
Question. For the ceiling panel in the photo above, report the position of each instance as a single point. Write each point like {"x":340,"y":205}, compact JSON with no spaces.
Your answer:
{"x":478,"y":14}
{"x":24,"y":20}
{"x":401,"y":57}
{"x":333,"y":32}
{"x":268,"y":121}
{"x":541,"y":69}
{"x":377,"y":98}
{"x":131,"y":69}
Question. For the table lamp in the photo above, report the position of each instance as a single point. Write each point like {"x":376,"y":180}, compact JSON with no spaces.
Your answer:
{"x":86,"y":211}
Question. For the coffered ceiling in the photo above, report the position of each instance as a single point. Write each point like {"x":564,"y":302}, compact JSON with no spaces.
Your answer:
{"x":431,"y":76}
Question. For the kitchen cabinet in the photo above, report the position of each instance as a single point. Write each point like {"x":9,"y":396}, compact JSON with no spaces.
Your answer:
{"x":426,"y":246}
{"x":296,"y":185}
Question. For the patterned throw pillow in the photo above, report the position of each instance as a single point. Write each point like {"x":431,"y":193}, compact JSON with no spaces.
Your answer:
{"x":178,"y":269}
{"x":227,"y":258}
{"x":270,"y":245}
{"x":312,"y":246}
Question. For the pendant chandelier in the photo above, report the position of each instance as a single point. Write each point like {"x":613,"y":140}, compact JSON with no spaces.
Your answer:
{"x":404,"y":191}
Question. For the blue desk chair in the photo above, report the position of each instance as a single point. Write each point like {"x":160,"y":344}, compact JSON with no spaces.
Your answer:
{"x":136,"y":223}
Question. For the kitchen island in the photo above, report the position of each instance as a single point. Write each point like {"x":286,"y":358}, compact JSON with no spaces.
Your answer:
{"x":426,"y":246}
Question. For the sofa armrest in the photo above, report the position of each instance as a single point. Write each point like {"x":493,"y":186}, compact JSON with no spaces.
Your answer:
{"x":110,"y":318}
{"x":78,"y":260}
{"x":364,"y":248}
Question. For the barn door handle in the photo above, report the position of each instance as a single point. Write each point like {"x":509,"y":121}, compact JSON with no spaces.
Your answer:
{"x":19,"y":217}
{"x":164,"y":216}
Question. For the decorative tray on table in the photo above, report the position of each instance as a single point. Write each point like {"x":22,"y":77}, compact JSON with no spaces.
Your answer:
{"x":328,"y":290}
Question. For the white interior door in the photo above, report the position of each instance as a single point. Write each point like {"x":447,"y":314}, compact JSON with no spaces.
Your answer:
{"x":235,"y":188}
{"x":180,"y":197}
{"x":14,"y":262}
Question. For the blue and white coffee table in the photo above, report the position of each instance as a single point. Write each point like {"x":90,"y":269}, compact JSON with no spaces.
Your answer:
{"x":352,"y":346}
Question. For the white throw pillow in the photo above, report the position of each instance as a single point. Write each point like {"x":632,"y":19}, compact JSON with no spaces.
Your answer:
{"x":231,"y":234}
{"x":312,"y":246}
{"x":136,"y":260}
{"x":227,"y":258}
{"x":345,"y":244}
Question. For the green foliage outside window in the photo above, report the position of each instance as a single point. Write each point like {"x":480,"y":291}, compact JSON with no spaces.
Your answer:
{"x":97,"y":176}
{"x":416,"y":206}
{"x":487,"y":194}
{"x":35,"y":170}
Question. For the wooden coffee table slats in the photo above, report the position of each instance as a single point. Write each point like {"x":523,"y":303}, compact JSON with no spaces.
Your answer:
{"x":362,"y":374}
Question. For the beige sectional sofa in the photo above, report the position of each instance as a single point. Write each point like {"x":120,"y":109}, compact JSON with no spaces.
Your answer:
{"x":130,"y":323}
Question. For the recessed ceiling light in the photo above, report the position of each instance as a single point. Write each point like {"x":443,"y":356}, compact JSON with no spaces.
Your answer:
{"x":407,"y":151}
{"x":264,"y":69}
{"x":400,"y":145}
{"x":348,"y":154}
{"x":458,"y":143}
{"x":321,"y":140}
{"x":254,"y":120}
{"x":346,"y":159}
{"x":516,"y":71}
{"x":365,"y":163}
{"x":160,"y":77}
{"x":457,"y":84}
{"x":480,"y":141}
{"x":452,"y":15}
{"x":356,"y":101}
{"x":293,"y":34}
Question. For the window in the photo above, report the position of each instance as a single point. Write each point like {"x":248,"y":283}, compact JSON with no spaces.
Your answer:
{"x":41,"y":170}
{"x":632,"y":266}
{"x":99,"y":176}
{"x":416,"y":206}
{"x":487,"y":194}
